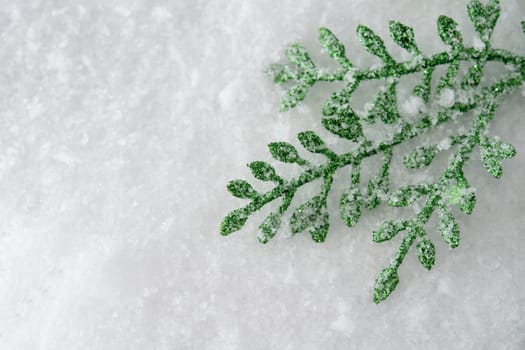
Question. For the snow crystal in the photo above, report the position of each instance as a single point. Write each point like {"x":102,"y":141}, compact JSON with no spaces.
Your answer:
{"x":446,"y":98}
{"x":477,"y":43}
{"x":464,"y":96}
{"x":415,"y":61}
{"x":349,"y":76}
{"x":390,"y":80}
{"x":444,"y":144}
{"x":412,"y":106}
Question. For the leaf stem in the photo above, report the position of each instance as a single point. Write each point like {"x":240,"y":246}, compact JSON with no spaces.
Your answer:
{"x":408,"y":67}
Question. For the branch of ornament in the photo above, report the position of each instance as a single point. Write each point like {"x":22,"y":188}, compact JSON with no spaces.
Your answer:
{"x":457,"y":161}
{"x":408,"y":131}
{"x":408,"y":67}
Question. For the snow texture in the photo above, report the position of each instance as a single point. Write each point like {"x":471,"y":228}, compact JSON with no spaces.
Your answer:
{"x":122,"y":122}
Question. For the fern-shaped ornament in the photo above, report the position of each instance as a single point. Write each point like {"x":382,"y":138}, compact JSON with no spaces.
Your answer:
{"x":449,"y":190}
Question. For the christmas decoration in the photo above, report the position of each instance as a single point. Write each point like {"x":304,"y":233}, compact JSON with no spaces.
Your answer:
{"x":456,"y":93}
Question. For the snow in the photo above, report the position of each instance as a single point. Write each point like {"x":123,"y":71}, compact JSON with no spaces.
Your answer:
{"x":349,"y":76}
{"x":121,"y":124}
{"x":446,"y":98}
{"x":444,"y":144}
{"x":412,"y":105}
{"x":477,"y":43}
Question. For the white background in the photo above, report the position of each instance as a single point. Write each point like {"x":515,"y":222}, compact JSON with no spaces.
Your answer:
{"x":121,"y":123}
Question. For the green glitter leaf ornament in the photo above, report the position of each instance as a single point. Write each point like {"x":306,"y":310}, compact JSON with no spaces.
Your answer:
{"x":388,"y":230}
{"x":345,"y":125}
{"x":333,"y":47}
{"x":492,"y":154}
{"x":350,"y":208}
{"x":241,"y":189}
{"x":385,"y":284}
{"x":461,"y":194}
{"x":484,"y":18}
{"x":298,"y":55}
{"x":448,"y":32}
{"x":407,"y":195}
{"x":294,"y":96}
{"x":373,"y":44}
{"x":264,"y":171}
{"x":351,"y":203}
{"x":458,"y":92}
{"x":426,"y":253}
{"x":420,"y":157}
{"x":404,"y":37}
{"x":234,"y":221}
{"x":285,"y":152}
{"x":448,"y":228}
{"x":313,"y":215}
{"x":269,"y":227}
{"x":384,"y":106}
{"x":282,"y":73}
{"x":313,"y":143}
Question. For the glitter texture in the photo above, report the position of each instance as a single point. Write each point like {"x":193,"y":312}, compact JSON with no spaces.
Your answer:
{"x":451,"y":188}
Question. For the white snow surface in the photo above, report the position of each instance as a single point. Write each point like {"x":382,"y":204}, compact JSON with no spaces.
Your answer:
{"x":122,"y":122}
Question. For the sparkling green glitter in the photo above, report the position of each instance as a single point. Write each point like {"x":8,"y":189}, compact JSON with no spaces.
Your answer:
{"x":241,"y":189}
{"x":264,"y":172}
{"x":388,"y":230}
{"x":385,"y":106}
{"x":426,"y":252}
{"x":333,"y":47}
{"x":448,"y":228}
{"x":374,"y":44}
{"x":451,"y":189}
{"x":420,"y":157}
{"x":386,"y":282}
{"x":404,"y":37}
{"x":493,"y":152}
{"x":407,"y":195}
